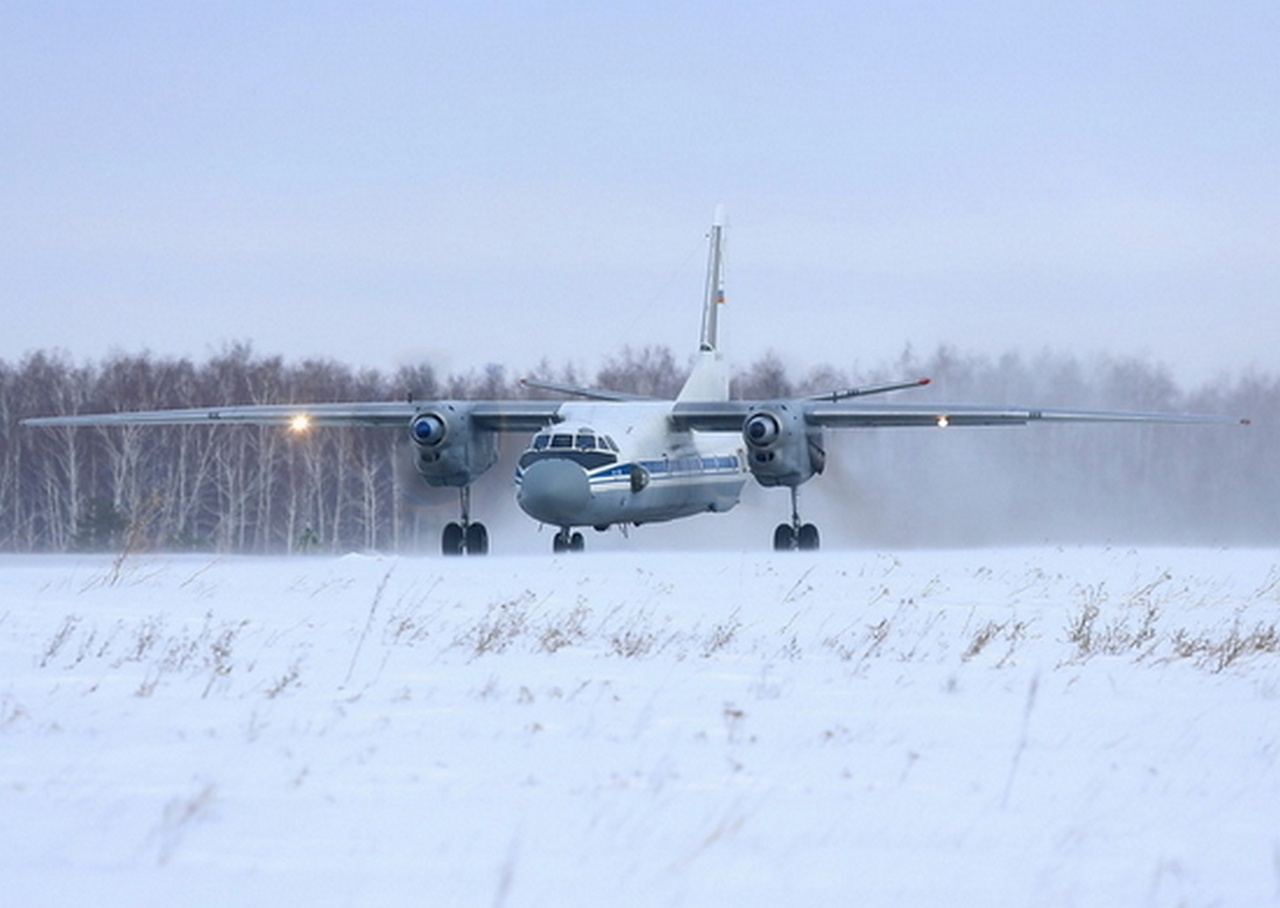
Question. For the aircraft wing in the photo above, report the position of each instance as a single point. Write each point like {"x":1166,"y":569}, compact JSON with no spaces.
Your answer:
{"x":493,"y":415}
{"x":728,"y":416}
{"x":855,"y":416}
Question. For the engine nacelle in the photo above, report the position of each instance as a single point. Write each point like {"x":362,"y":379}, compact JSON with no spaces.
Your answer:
{"x":781,"y":449}
{"x":449,"y":449}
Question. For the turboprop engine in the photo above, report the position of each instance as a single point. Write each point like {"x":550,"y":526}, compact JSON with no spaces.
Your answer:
{"x":449,"y":450}
{"x":781,"y":449}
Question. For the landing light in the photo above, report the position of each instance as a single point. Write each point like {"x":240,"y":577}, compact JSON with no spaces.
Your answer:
{"x":943,"y":422}
{"x":300,"y":423}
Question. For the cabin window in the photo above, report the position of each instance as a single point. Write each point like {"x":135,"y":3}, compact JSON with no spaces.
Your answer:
{"x":541,"y":442}
{"x":561,"y":441}
{"x":585,"y":442}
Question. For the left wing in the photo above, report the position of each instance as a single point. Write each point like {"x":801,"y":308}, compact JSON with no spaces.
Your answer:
{"x":728,"y":416}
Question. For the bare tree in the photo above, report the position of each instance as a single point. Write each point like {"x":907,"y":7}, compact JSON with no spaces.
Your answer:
{"x":262,"y":489}
{"x":650,"y":371}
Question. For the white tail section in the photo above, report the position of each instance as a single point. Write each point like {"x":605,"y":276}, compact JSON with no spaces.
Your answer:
{"x":709,"y":379}
{"x":714,"y":297}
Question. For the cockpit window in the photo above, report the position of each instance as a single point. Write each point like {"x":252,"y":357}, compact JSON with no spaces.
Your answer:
{"x":584,"y":447}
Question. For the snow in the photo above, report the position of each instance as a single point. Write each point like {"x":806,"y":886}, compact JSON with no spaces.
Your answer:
{"x":1090,"y":726}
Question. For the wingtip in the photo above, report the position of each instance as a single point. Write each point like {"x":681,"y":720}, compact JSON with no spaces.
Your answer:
{"x":1246,"y":421}
{"x":925,"y":381}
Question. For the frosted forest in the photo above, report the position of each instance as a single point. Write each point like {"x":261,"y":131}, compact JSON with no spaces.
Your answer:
{"x":258,"y":490}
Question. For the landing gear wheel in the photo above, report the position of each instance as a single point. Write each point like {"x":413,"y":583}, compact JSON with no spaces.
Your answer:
{"x":452,"y":539}
{"x":795,"y":535}
{"x":567,"y":541}
{"x":465,"y":537}
{"x":477,"y":538}
{"x":473,"y":539}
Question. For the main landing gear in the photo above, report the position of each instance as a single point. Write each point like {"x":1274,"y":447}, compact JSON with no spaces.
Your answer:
{"x":567,"y":541}
{"x":795,"y":535}
{"x":465,"y":537}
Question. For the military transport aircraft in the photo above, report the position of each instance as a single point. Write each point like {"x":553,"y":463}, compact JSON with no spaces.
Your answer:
{"x":616,"y":459}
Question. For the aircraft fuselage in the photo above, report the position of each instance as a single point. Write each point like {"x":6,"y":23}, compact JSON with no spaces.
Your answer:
{"x":594,"y":469}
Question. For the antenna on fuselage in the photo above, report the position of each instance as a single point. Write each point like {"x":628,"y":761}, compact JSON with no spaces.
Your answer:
{"x":715,"y":285}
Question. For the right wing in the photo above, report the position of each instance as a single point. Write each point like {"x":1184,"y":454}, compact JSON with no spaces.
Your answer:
{"x":491,"y":415}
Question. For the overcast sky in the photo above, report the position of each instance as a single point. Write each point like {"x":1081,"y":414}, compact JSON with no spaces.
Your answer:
{"x":480,"y":182}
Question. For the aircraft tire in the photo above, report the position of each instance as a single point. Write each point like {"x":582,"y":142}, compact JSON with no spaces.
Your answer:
{"x":477,"y":539}
{"x":567,"y":541}
{"x":451,"y":540}
{"x":807,"y":540}
{"x":784,"y":538}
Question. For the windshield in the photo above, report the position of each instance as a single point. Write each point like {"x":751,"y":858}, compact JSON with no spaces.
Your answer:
{"x":584,"y":447}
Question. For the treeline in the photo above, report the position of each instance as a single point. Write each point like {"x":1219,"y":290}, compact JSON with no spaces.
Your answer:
{"x":250,"y":489}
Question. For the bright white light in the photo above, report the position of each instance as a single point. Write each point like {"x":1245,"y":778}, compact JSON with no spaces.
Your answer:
{"x":300,"y":423}
{"x":943,"y":422}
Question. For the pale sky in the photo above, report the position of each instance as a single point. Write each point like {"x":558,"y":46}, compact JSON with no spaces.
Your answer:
{"x":474,"y":182}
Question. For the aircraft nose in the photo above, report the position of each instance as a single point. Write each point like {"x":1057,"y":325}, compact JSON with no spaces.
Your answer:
{"x":554,"y":491}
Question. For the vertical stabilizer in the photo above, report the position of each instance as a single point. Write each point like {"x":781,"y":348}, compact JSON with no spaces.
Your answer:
{"x":714,"y":297}
{"x":710,"y":377}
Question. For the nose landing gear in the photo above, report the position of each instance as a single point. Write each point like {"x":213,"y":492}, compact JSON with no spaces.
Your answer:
{"x":567,"y":541}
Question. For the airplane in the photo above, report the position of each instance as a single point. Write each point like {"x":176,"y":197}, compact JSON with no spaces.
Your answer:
{"x":611,"y":459}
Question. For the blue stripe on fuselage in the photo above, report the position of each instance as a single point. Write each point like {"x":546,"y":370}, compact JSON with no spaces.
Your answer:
{"x":665,"y":469}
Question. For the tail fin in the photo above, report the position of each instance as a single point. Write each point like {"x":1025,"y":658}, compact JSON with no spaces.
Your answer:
{"x":709,"y":379}
{"x":714,"y":297}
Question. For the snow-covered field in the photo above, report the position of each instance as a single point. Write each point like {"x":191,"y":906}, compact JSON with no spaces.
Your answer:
{"x":988,"y":727}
